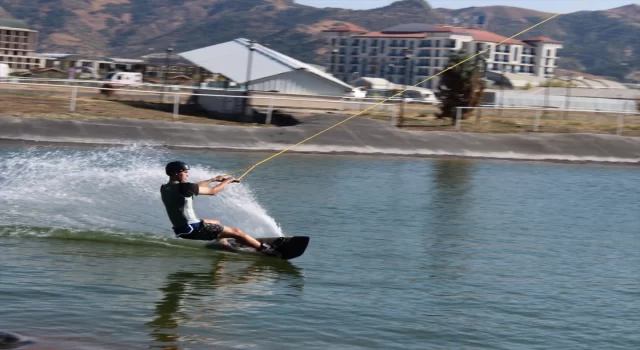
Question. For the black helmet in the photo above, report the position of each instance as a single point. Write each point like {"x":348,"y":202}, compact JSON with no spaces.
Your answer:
{"x":176,"y":167}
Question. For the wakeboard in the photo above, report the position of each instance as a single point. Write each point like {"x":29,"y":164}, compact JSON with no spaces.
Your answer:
{"x":288,"y":247}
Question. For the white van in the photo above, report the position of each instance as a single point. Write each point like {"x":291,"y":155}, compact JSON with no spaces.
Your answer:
{"x":421,"y":96}
{"x":357,"y":93}
{"x":124,"y":78}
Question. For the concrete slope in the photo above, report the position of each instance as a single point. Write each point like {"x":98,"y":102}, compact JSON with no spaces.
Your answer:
{"x":358,"y":135}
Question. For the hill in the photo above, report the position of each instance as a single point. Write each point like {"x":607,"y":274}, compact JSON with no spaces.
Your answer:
{"x":600,"y":42}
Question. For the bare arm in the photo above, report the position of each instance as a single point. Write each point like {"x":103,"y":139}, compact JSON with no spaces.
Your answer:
{"x":212,"y":191}
{"x":204,"y":183}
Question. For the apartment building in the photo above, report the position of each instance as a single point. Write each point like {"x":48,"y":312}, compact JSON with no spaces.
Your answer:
{"x":18,"y":45}
{"x":410,"y":53}
{"x":18,"y":50}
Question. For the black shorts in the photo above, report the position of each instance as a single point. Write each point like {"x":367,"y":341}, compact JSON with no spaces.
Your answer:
{"x":204,"y":232}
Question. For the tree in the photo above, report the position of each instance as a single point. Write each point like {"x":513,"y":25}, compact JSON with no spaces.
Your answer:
{"x":460,"y":86}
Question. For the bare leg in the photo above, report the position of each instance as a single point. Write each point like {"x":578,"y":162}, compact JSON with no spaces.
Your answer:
{"x":232,"y":232}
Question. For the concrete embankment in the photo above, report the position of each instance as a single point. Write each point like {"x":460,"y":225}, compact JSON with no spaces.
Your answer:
{"x":359,"y":135}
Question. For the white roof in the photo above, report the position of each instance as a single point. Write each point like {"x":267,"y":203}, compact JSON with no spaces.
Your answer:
{"x":231,"y":60}
{"x":384,"y":84}
{"x":378,"y":83}
{"x":126,"y":60}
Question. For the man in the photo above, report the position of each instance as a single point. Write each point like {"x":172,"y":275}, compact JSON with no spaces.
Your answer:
{"x":177,"y":196}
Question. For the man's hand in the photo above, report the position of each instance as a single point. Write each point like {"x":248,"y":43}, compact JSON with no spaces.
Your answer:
{"x":232,"y":179}
{"x":219,"y":178}
{"x":216,"y":189}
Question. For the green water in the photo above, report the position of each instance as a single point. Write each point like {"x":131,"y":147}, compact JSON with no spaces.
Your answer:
{"x":404,"y":254}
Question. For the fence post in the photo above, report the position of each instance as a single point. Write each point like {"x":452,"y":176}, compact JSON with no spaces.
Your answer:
{"x":269,"y":112}
{"x":458,"y":118}
{"x":401,"y":114}
{"x":394,"y":115}
{"x":620,"y":123}
{"x":176,"y":106}
{"x":74,"y":95}
{"x":536,"y":122}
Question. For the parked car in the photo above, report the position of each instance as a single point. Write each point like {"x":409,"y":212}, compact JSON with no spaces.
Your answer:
{"x":421,"y":96}
{"x":357,"y":93}
{"x":124,"y":78}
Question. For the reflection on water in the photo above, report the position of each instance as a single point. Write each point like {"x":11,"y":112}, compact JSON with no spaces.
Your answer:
{"x":447,"y":232}
{"x":450,"y":198}
{"x":452,"y":184}
{"x":231,"y":284}
{"x":453,"y":177}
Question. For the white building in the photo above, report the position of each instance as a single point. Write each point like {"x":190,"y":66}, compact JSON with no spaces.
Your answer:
{"x":18,"y":44}
{"x":410,"y":53}
{"x":264,"y":69}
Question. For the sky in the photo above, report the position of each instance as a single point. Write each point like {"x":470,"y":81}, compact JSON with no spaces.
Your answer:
{"x":554,"y":6}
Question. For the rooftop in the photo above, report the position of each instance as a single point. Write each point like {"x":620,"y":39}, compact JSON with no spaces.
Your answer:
{"x":231,"y":59}
{"x":13,"y":23}
{"x":423,"y":30}
{"x":541,"y":38}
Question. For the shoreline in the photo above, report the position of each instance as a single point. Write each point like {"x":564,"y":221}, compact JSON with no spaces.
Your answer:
{"x":368,"y":138}
{"x":85,"y":145}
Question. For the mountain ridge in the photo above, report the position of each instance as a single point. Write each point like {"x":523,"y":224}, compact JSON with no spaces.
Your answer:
{"x":131,"y":28}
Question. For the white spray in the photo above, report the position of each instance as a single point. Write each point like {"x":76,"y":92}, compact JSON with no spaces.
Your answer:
{"x":112,"y":189}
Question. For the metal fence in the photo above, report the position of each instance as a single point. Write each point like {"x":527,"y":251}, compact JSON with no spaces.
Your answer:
{"x":551,"y":119}
{"x":519,"y":99}
{"x":226,"y":100}
{"x":484,"y":119}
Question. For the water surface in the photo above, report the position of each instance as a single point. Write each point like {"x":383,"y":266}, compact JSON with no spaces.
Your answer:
{"x":404,"y":254}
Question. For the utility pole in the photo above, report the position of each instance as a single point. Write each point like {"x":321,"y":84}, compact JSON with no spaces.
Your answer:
{"x":567,"y":96}
{"x":248,"y":78}
{"x":166,"y":71}
{"x":406,"y":58}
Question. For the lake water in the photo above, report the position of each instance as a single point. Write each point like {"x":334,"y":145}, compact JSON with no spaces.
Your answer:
{"x":405,"y":253}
